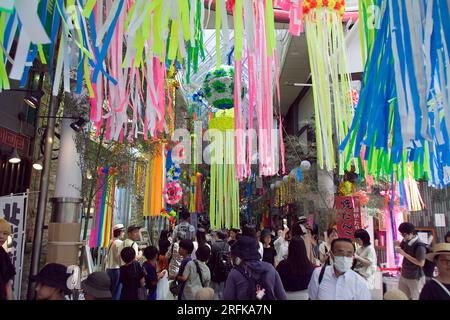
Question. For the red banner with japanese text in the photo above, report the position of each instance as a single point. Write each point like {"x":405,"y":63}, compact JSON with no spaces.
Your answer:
{"x":348,"y":216}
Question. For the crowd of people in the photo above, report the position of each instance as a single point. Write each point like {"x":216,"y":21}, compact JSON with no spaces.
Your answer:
{"x":246,"y":264}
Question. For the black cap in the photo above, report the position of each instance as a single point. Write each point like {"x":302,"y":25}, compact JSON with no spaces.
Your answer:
{"x":53,"y":275}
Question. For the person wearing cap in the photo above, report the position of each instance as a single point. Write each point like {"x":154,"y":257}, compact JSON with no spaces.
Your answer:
{"x":269,"y":252}
{"x":438,"y":288}
{"x":97,"y":286}
{"x":132,"y":237}
{"x":249,"y":270}
{"x":7,"y":270}
{"x":52,"y":282}
{"x":219,"y":264}
{"x":413,"y":250}
{"x":113,"y":260}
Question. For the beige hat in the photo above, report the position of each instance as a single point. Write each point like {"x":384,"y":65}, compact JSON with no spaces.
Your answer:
{"x":439,"y":248}
{"x":395,"y":294}
{"x":118,"y":227}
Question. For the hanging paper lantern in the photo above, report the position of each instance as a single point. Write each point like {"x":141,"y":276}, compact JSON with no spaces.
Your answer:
{"x":272,"y":186}
{"x":278,"y":184}
{"x":286,"y":179}
{"x":172,"y":193}
{"x":218,"y":87}
{"x":305,"y":165}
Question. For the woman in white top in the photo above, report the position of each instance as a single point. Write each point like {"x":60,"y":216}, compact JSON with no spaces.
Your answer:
{"x":325,"y":247}
{"x":282,"y":245}
{"x":200,"y":239}
{"x":365,"y":257}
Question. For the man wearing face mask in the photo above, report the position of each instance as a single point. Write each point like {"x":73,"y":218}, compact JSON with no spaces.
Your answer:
{"x":338,"y":282}
{"x":413,"y":250}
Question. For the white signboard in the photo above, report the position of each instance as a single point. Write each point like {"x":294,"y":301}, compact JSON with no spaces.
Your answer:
{"x":12,"y":209}
{"x":439,"y":220}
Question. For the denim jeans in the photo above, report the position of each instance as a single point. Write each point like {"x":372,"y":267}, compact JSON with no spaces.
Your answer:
{"x":116,"y":286}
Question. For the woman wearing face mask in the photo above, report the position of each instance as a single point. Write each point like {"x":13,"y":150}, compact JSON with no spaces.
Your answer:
{"x":365,"y":257}
{"x":338,"y":281}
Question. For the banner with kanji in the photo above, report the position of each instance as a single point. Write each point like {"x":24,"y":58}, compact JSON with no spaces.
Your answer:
{"x":348,"y":216}
{"x":12,"y":209}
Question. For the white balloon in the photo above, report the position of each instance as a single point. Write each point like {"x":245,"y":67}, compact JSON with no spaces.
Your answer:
{"x":305,"y":165}
{"x":272,"y":186}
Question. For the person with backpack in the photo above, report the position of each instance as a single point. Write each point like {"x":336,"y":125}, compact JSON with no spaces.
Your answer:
{"x":131,"y":275}
{"x":132,"y":238}
{"x":251,"y":279}
{"x":185,"y":250}
{"x":196,"y":274}
{"x":338,"y":281}
{"x":413,"y":250}
{"x":219,"y":264}
{"x":184,"y":230}
{"x":113,"y":260}
{"x":438,"y":288}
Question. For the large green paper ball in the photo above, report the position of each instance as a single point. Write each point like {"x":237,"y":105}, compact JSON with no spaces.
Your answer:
{"x":218,"y":87}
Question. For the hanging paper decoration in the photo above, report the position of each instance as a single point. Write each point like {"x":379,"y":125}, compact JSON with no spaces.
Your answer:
{"x":403,"y":114}
{"x":218,"y":87}
{"x":254,"y":20}
{"x":118,"y":50}
{"x":224,"y":194}
{"x":173,"y":169}
{"x":154,"y":182}
{"x":195,"y":200}
{"x":172,"y":193}
{"x":330,"y":78}
{"x":101,"y":230}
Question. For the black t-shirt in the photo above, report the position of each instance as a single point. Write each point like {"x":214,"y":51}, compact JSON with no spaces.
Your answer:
{"x":130,"y":276}
{"x":7,"y":272}
{"x":150,"y":277}
{"x":433,"y":291}
{"x":292,"y":282}
{"x":269,"y":255}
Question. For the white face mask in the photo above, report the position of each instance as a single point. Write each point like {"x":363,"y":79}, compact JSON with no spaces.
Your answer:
{"x":343,"y":264}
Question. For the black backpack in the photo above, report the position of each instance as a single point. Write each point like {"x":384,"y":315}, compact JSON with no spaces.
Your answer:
{"x":221,"y":264}
{"x":254,"y":281}
{"x":428,"y":268}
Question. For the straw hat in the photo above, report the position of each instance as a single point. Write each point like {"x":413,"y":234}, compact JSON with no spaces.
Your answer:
{"x":439,"y":248}
{"x":395,"y":294}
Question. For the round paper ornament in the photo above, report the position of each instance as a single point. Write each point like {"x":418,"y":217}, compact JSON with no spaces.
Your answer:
{"x":174,"y":173}
{"x":172,"y":193}
{"x":218,"y":87}
{"x":272,"y":186}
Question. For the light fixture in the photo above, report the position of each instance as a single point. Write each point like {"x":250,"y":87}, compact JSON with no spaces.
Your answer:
{"x":33,"y":98}
{"x":78,"y":125}
{"x":14,"y":157}
{"x":38,"y":165}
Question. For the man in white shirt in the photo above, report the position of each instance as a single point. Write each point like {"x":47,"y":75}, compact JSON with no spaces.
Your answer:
{"x":113,"y":260}
{"x":338,"y":282}
{"x":131,"y":241}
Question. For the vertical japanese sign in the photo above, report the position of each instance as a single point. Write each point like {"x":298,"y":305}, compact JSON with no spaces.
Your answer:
{"x":348,"y":216}
{"x":12,"y":209}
